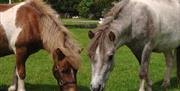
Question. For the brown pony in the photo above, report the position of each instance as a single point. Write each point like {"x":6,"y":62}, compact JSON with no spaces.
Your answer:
{"x":27,"y":27}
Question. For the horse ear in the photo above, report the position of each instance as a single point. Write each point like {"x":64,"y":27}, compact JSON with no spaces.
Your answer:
{"x":91,"y":34}
{"x":60,"y":54}
{"x":112,"y":36}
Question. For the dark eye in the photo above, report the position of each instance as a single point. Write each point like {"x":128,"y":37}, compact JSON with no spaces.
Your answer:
{"x":66,"y":71}
{"x":110,"y":57}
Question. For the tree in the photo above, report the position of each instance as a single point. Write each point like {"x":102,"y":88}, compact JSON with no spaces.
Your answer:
{"x":84,"y":8}
{"x":3,"y":1}
{"x":101,"y":6}
{"x":15,"y":1}
{"x":12,"y":1}
{"x":65,"y":6}
{"x":94,"y":8}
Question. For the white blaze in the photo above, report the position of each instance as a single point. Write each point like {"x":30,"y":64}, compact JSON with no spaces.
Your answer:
{"x":97,"y":76}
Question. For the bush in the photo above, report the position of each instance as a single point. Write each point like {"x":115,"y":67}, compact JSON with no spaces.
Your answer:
{"x":4,"y":1}
{"x":93,"y":8}
{"x":65,"y":7}
{"x":84,"y":8}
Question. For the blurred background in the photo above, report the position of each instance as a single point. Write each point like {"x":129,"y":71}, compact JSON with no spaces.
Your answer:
{"x":92,"y":9}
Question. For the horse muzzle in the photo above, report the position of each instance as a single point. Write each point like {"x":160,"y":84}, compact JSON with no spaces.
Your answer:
{"x":98,"y":88}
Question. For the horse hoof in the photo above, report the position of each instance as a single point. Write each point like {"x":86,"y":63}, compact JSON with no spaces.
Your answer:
{"x":141,"y":90}
{"x":12,"y":88}
{"x":149,"y":89}
{"x":165,"y":84}
{"x":21,"y":90}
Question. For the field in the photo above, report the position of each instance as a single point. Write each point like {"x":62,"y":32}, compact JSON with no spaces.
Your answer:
{"x":124,"y":76}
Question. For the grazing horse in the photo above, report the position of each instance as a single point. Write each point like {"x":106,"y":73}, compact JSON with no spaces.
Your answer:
{"x":27,"y":27}
{"x":145,"y":26}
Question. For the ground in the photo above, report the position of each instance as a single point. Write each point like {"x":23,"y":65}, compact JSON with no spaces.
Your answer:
{"x":124,"y":76}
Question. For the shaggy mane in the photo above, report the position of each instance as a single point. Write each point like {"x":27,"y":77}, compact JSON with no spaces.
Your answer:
{"x":102,"y":30}
{"x":54,"y":34}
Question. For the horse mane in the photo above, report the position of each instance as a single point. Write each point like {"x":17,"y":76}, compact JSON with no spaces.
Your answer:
{"x":114,"y":12}
{"x":111,"y":15}
{"x":102,"y":30}
{"x":54,"y":35}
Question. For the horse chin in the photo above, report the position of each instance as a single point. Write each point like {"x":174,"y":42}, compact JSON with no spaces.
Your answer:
{"x":71,"y":87}
{"x":97,"y":89}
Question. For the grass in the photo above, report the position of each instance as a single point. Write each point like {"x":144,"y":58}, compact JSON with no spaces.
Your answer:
{"x":124,"y":76}
{"x":80,"y":23}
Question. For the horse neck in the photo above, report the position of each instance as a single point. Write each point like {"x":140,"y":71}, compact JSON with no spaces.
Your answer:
{"x":55,"y":36}
{"x":120,"y":21}
{"x":49,"y":34}
{"x":50,"y":41}
{"x":122,"y":29}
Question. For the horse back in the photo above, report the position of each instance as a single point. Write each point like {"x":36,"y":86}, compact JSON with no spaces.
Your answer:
{"x":27,"y":18}
{"x":4,"y":44}
{"x":21,"y":26}
{"x":157,"y":21}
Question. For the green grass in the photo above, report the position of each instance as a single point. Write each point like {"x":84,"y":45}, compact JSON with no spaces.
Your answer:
{"x":80,"y":23}
{"x":124,"y":76}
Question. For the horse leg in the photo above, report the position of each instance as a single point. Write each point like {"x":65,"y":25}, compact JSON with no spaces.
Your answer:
{"x":13,"y":87}
{"x":144,"y":68}
{"x":178,"y":62}
{"x":169,"y":63}
{"x":21,"y":56}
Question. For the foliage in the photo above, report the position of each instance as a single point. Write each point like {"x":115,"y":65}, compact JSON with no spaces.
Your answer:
{"x":65,"y":6}
{"x":17,"y":0}
{"x":12,"y":1}
{"x":84,"y":7}
{"x":93,"y":8}
{"x":100,"y":6}
{"x":3,"y":1}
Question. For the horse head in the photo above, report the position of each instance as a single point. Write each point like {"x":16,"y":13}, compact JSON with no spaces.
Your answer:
{"x":101,"y":53}
{"x":64,"y":72}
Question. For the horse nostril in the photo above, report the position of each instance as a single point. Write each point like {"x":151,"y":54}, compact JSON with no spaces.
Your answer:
{"x":91,"y":87}
{"x":99,"y":88}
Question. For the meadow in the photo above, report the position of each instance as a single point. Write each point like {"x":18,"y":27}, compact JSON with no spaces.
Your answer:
{"x":124,"y":77}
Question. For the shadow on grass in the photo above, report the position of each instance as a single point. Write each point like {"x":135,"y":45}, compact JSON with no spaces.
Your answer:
{"x":174,"y":85}
{"x":42,"y":87}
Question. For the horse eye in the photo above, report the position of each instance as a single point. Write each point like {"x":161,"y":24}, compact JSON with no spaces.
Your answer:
{"x":110,"y":57}
{"x":66,"y":71}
